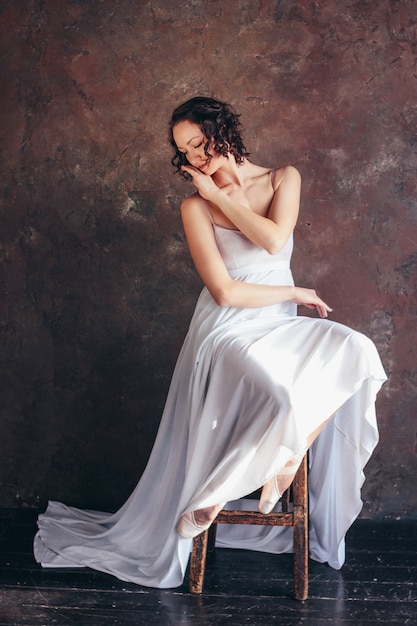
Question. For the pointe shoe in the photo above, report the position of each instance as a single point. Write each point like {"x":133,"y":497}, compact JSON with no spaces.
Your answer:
{"x":267,"y":503}
{"x":188,"y":528}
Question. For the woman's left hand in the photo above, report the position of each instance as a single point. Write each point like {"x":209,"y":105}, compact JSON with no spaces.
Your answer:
{"x":205,"y":185}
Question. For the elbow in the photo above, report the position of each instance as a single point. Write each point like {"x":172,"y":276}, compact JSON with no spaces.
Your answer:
{"x":223,"y":296}
{"x":273,"y":249}
{"x":274,"y":246}
{"x":222,"y":299}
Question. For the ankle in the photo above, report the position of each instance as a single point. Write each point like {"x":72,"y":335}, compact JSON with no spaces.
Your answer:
{"x":207,"y":515}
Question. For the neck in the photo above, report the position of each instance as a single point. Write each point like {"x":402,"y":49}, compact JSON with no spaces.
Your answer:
{"x":230,"y":173}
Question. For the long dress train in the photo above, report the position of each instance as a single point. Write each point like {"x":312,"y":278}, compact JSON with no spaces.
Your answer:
{"x":249,"y":387}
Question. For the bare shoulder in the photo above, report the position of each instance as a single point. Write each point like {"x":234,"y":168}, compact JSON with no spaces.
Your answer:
{"x":191,"y":202}
{"x":194,"y":206}
{"x":288,"y":173}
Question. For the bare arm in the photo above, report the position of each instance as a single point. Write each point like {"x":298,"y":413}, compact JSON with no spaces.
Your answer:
{"x":270,"y":232}
{"x":210,"y":266}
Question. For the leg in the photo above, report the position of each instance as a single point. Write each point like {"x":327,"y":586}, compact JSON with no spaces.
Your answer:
{"x":300,"y":501}
{"x":198,"y":562}
{"x":274,"y":488}
{"x":193,"y":523}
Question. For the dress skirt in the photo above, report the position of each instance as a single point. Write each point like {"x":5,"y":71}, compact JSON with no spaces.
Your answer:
{"x":249,"y":387}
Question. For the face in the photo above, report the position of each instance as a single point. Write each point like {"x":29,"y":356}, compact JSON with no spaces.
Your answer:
{"x":191,"y":141}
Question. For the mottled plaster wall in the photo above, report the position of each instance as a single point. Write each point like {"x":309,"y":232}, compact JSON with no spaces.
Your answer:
{"x":97,"y":287}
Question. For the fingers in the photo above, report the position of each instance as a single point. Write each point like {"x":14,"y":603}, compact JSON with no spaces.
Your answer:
{"x":323,"y":309}
{"x":195,"y":174}
{"x":310,"y":299}
{"x":321,"y":306}
{"x":190,"y":169}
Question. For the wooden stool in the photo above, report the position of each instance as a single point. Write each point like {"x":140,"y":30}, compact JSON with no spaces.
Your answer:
{"x":297,"y":518}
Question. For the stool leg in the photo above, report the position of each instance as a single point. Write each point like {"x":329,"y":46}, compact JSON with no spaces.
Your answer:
{"x":212,"y":531}
{"x":300,"y":495}
{"x":198,"y":562}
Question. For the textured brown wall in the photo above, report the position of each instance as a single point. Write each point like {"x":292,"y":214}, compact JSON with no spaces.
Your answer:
{"x":96,"y":283}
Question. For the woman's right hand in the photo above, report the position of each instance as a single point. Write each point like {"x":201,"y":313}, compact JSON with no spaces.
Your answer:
{"x":205,"y":184}
{"x":310,"y":299}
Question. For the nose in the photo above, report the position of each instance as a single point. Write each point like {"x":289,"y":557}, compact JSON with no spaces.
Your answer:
{"x":196,"y":156}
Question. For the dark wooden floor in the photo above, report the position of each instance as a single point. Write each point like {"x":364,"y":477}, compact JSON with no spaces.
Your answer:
{"x":378,"y":585}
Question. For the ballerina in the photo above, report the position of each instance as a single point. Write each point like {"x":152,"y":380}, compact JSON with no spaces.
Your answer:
{"x":254,"y":387}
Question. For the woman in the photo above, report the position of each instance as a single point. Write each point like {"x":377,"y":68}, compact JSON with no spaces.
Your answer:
{"x":254,"y":387}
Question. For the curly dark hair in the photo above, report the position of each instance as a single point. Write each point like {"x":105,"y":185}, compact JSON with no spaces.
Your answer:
{"x":219,"y":123}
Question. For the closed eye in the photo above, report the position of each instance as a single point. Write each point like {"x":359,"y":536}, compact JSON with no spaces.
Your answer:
{"x":194,"y":148}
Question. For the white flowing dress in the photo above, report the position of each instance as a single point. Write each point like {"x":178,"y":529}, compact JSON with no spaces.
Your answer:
{"x":249,"y":387}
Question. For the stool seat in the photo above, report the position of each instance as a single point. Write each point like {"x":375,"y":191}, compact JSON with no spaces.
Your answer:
{"x":294,"y":513}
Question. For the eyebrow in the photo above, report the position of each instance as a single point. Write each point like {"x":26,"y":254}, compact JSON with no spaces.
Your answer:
{"x":189,"y":141}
